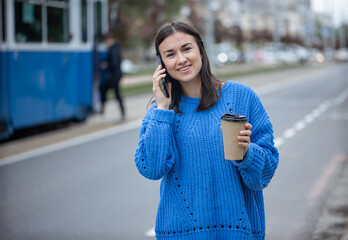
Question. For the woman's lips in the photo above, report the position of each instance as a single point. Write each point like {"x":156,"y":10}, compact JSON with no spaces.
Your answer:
{"x":184,"y":69}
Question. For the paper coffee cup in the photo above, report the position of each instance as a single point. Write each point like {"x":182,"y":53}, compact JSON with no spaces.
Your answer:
{"x":231,"y":127}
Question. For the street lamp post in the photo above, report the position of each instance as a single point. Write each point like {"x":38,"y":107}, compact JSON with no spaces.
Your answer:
{"x":276,"y":35}
{"x":212,"y":6}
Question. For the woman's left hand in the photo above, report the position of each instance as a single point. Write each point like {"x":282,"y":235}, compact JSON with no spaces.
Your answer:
{"x":244,"y":137}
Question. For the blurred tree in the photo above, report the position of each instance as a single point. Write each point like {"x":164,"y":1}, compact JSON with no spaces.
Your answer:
{"x":318,"y":37}
{"x":338,"y":35}
{"x":287,"y":39}
{"x":261,"y":36}
{"x":195,"y":16}
{"x":236,"y":34}
{"x":220,"y":32}
{"x":151,"y":21}
{"x":345,"y":33}
{"x":138,"y":20}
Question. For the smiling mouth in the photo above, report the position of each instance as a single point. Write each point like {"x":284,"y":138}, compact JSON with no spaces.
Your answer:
{"x":183,"y":69}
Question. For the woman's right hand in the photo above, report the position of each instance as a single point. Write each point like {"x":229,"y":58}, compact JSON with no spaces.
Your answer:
{"x":162,"y":101}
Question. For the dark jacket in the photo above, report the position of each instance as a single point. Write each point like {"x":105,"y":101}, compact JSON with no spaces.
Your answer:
{"x":114,"y":62}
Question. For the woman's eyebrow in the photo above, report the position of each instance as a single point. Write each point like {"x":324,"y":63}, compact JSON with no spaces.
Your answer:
{"x":182,"y":46}
{"x":185,"y":45}
{"x":168,"y":51}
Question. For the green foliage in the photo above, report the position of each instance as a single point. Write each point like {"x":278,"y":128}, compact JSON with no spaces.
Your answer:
{"x":135,"y":8}
{"x":172,"y":8}
{"x":138,"y":20}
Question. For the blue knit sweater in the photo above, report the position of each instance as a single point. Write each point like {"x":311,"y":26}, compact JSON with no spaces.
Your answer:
{"x":202,"y":195}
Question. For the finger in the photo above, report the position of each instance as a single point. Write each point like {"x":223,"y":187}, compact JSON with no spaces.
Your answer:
{"x":156,"y":89}
{"x":158,"y":69}
{"x":245,"y":133}
{"x":243,"y":139}
{"x":156,"y":81}
{"x":248,"y":126}
{"x":157,"y":73}
{"x":244,"y":145}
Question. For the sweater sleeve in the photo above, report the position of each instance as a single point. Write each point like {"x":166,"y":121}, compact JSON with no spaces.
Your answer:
{"x":261,"y":160}
{"x":155,"y":154}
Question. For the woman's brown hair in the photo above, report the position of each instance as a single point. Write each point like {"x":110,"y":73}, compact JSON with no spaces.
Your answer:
{"x":211,"y":86}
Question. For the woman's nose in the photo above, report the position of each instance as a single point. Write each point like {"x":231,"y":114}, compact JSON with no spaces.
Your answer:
{"x":181,"y":58}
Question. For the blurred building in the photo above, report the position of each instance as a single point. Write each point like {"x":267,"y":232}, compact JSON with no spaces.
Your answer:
{"x":292,"y":19}
{"x":324,"y":32}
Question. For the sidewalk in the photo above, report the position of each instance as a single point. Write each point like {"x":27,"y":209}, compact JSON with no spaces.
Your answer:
{"x":333,"y":222}
{"x":135,"y":109}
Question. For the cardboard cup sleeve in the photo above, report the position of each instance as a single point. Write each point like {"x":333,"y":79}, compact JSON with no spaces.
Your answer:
{"x":231,"y":127}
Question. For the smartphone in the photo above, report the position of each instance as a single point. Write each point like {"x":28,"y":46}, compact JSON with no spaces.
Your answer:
{"x":163,"y":80}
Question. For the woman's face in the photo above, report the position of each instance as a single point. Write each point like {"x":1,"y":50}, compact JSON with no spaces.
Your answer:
{"x":181,"y":56}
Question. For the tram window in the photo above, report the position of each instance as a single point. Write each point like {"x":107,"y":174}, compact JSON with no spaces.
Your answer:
{"x":3,"y":19}
{"x":84,"y":20}
{"x":98,"y":22}
{"x":57,"y":21}
{"x":28,"y":22}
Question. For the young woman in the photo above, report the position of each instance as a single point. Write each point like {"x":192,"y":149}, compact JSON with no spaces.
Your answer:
{"x":203,"y":196}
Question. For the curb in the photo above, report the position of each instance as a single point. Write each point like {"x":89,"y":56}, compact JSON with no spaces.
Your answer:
{"x":333,"y":222}
{"x":345,"y":235}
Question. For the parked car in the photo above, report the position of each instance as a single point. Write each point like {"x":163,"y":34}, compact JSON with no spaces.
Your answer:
{"x":267,"y":55}
{"x":273,"y":54}
{"x":226,"y":53}
{"x":341,"y":55}
{"x":301,"y":52}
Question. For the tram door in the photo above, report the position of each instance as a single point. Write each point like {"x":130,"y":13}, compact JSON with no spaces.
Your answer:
{"x":100,"y":25}
{"x":5,"y":127}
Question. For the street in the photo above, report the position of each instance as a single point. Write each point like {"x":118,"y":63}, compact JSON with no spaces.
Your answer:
{"x":92,"y":189}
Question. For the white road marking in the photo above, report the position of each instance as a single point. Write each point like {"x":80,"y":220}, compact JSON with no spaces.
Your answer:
{"x":278,"y":142}
{"x":71,"y":142}
{"x":341,"y":98}
{"x":300,"y":125}
{"x":150,"y":233}
{"x":289,"y":133}
{"x":308,"y":118}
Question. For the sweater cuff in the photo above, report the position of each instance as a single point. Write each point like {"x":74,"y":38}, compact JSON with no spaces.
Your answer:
{"x":163,"y":115}
{"x":247,"y":160}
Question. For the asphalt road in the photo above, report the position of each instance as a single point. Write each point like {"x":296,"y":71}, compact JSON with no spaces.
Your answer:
{"x":92,"y":190}
{"x":311,"y":127}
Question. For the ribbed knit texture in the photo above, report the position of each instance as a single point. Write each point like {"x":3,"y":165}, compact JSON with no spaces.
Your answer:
{"x":202,"y":195}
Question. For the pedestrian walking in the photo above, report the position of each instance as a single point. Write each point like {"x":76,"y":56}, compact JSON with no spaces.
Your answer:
{"x":96,"y":100}
{"x":203,"y":196}
{"x":112,"y":65}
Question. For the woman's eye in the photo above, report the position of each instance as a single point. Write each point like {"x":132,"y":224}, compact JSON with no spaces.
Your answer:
{"x":170,"y":55}
{"x":187,"y":49}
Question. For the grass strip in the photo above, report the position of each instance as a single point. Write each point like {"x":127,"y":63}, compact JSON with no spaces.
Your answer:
{"x":147,"y":87}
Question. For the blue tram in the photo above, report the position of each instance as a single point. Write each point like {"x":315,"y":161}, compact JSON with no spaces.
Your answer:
{"x":46,"y":60}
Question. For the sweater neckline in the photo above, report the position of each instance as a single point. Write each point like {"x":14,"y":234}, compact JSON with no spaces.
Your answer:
{"x":190,"y":100}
